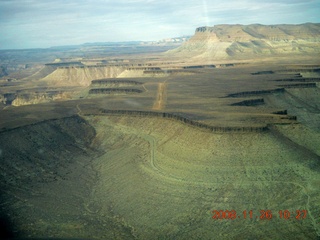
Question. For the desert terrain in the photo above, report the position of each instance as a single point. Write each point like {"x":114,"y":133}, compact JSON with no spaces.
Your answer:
{"x":217,"y":138}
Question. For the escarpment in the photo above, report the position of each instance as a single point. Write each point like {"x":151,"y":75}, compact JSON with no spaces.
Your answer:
{"x":114,"y":90}
{"x":114,"y":82}
{"x":250,"y":41}
{"x":81,"y":75}
{"x":252,"y":93}
{"x":299,"y":80}
{"x":183,"y":119}
{"x":251,"y":102}
{"x":299,"y":85}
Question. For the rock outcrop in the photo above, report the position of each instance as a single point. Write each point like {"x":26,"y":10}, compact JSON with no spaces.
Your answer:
{"x":29,"y":98}
{"x":247,"y":41}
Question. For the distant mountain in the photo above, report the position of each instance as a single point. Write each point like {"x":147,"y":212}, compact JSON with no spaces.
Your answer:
{"x":247,"y":41}
{"x":169,"y":41}
{"x":166,"y":41}
{"x":111,"y":43}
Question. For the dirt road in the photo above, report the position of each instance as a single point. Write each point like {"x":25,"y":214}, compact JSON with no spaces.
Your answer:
{"x":159,"y":104}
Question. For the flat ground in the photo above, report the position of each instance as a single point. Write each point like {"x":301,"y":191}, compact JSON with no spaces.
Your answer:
{"x":70,"y":169}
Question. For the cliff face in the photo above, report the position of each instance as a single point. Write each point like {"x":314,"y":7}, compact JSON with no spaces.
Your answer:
{"x":19,"y":99}
{"x":35,"y":98}
{"x":245,"y":41}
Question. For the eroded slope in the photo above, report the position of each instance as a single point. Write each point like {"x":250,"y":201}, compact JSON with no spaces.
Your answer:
{"x":250,"y":41}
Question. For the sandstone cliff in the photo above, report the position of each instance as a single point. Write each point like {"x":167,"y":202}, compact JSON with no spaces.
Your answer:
{"x":247,"y":41}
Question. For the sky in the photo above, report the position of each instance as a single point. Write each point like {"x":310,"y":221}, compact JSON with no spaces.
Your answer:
{"x":46,"y":23}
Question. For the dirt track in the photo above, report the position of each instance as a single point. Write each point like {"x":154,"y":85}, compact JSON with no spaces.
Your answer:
{"x":159,"y":104}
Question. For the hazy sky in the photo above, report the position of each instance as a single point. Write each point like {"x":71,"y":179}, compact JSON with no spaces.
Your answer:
{"x":45,"y":23}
